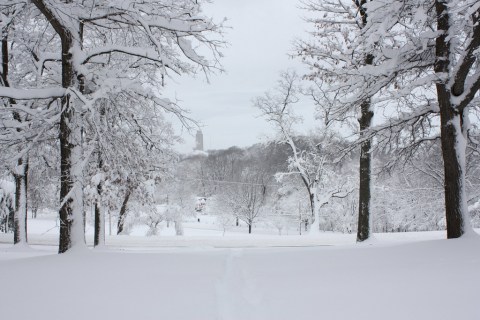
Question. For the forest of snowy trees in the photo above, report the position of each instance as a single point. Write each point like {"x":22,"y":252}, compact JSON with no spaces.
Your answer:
{"x":85,"y":123}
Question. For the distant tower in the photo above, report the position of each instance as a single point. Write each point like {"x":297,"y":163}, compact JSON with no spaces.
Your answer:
{"x":199,"y":140}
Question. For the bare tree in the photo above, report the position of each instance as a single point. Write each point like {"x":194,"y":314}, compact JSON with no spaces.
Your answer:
{"x":246,"y":197}
{"x":310,"y":164}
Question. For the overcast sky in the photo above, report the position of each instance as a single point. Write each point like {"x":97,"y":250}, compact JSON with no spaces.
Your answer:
{"x":260,"y":38}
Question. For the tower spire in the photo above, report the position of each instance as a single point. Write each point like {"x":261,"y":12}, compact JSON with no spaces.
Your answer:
{"x":199,"y":140}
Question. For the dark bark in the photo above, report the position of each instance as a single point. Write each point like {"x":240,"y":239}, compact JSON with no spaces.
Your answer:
{"x":364,"y":195}
{"x":66,"y":183}
{"x":98,"y":214}
{"x":250,"y":228}
{"x":98,"y":219}
{"x":311,"y":196}
{"x":449,"y":114}
{"x":5,"y":61}
{"x":364,"y":192}
{"x":123,"y":211}
{"x":66,"y":147}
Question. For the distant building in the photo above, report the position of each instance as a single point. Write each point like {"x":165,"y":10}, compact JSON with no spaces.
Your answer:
{"x":199,"y":141}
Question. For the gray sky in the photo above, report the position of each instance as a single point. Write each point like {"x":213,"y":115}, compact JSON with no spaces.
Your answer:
{"x":260,"y":39}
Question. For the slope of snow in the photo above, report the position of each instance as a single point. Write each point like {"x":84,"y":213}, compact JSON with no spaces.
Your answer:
{"x":205,"y":275}
{"x":382,"y":280}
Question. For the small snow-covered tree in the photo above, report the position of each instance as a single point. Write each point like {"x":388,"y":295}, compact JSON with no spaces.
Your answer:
{"x":246,"y":197}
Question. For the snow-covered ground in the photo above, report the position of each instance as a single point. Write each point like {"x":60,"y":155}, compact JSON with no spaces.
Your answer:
{"x":239,"y":276}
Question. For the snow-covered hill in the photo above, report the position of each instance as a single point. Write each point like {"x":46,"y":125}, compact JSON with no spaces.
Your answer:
{"x":240,"y":276}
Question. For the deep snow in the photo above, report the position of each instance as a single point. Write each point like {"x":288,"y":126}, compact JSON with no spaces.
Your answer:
{"x":396,"y":276}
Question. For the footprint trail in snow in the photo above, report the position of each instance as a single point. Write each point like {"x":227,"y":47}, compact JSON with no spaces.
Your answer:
{"x":238,"y":298}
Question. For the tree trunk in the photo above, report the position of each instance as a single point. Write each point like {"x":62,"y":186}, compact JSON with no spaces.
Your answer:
{"x":453,"y":152}
{"x":20,"y":215}
{"x":364,"y":195}
{"x":249,"y":228}
{"x":315,"y":225}
{"x":311,"y":196}
{"x":99,"y":233}
{"x":71,"y":180}
{"x":123,"y":211}
{"x":72,"y":215}
{"x":452,"y":134}
{"x":99,"y":236}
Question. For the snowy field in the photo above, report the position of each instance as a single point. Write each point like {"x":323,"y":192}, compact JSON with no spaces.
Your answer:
{"x":205,"y":276}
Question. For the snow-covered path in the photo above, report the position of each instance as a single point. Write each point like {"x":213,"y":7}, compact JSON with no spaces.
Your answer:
{"x":238,"y":296}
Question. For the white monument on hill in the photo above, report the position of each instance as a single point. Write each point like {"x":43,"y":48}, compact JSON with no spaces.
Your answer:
{"x":199,"y":141}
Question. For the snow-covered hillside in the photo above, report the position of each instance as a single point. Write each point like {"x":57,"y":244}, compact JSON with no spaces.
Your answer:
{"x":240,"y":276}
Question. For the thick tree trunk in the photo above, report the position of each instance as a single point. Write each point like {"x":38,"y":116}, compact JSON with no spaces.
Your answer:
{"x":364,"y":193}
{"x":123,"y":211}
{"x":452,"y":134}
{"x":249,"y":228}
{"x":20,"y":215}
{"x":72,"y":215}
{"x":453,"y":151}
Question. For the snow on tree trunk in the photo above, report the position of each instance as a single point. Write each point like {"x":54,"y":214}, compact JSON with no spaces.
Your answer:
{"x":72,"y":215}
{"x":20,"y":215}
{"x":453,"y":150}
